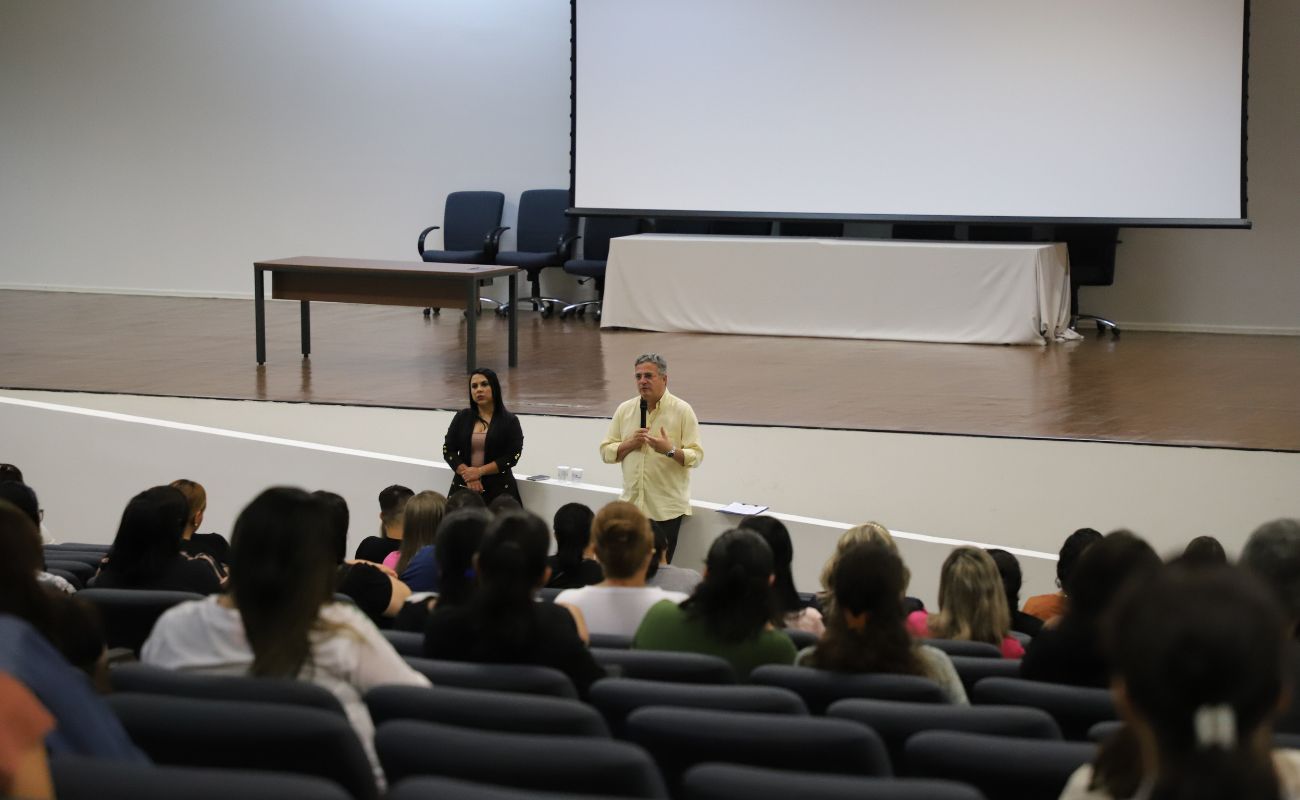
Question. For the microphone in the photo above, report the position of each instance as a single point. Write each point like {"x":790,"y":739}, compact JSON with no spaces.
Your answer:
{"x":644,"y":406}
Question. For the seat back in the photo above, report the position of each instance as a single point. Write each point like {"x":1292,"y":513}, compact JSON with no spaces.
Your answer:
{"x":616,"y":698}
{"x":680,"y":738}
{"x":78,"y":569}
{"x":819,"y":688}
{"x":78,"y":778}
{"x":407,"y":643}
{"x":664,"y":665}
{"x":733,"y":782}
{"x":999,"y":766}
{"x":428,"y":788}
{"x":961,"y":647}
{"x":521,"y":678}
{"x":542,"y":221}
{"x":184,"y":731}
{"x":973,"y":669}
{"x":800,"y":639}
{"x":469,"y":217}
{"x":129,"y":614}
{"x":1075,"y":708}
{"x":896,"y":722}
{"x":527,"y":761}
{"x":146,"y":679}
{"x":597,"y":231}
{"x":486,"y":710}
{"x":611,"y":641}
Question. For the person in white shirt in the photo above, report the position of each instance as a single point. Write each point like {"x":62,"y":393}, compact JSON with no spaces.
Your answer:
{"x":280,"y":618}
{"x":624,"y":547}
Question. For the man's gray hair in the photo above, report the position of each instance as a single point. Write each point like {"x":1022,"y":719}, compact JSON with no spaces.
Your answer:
{"x":1273,"y":553}
{"x":652,"y":358}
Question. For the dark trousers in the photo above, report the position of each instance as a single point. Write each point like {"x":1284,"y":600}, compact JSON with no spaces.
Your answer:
{"x":669,"y":528}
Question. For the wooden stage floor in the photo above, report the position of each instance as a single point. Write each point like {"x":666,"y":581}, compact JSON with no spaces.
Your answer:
{"x":1154,"y":388}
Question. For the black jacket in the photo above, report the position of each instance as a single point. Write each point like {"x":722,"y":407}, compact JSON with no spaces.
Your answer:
{"x":504,"y":445}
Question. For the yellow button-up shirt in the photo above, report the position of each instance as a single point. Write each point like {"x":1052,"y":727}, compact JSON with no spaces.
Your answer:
{"x":654,"y":483}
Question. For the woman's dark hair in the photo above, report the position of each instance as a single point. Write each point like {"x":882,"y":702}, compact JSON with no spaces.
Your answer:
{"x":1204,"y":551}
{"x":459,"y":537}
{"x":8,"y":472}
{"x":1074,"y":547}
{"x":281,"y":574}
{"x":24,"y":498}
{"x":497,"y":400}
{"x":868,"y":579}
{"x":656,"y":555}
{"x":1197,"y":642}
{"x":774,"y":532}
{"x":149,"y":535}
{"x":734,"y":601}
{"x":462,"y":498}
{"x":572,"y":525}
{"x":1104,"y":569}
{"x":20,"y":559}
{"x":337,"y":509}
{"x":504,"y":504}
{"x":1009,"y":570}
{"x":511,"y":564}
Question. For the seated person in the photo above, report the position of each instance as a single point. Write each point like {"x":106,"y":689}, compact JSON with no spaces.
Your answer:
{"x":146,"y":553}
{"x":24,"y":498}
{"x":1049,"y":607}
{"x":868,"y":631}
{"x":459,"y":537}
{"x":392,"y":502}
{"x":792,"y":612}
{"x":730,"y":613}
{"x":280,"y":619}
{"x":1071,"y":651}
{"x":1009,"y":570}
{"x":414,"y":561}
{"x":574,"y":564}
{"x":1205,"y":551}
{"x":667,"y":576}
{"x":503,"y":623}
{"x":375,"y":589}
{"x":972,"y":604}
{"x":624,"y":547}
{"x":213,"y":545}
{"x":866,"y":532}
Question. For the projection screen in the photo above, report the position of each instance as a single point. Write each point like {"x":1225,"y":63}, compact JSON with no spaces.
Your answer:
{"x":1110,"y":111}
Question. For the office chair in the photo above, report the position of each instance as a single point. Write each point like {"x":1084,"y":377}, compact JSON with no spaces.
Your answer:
{"x":596,"y":233}
{"x":471,"y":231}
{"x":545,"y":239}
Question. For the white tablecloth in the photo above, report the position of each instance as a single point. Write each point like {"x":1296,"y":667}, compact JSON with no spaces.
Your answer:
{"x":842,"y":288}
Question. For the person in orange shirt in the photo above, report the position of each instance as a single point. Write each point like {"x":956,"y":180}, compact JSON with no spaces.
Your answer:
{"x":1048,"y":607}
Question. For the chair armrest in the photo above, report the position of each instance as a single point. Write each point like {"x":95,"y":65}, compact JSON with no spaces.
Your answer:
{"x":419,"y":246}
{"x":492,"y":242}
{"x":564,"y":247}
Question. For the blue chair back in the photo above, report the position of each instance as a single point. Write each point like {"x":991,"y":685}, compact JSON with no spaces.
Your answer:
{"x":542,"y":221}
{"x":469,"y":217}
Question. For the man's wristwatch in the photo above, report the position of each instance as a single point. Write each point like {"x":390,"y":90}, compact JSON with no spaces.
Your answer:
{"x":672,"y":451}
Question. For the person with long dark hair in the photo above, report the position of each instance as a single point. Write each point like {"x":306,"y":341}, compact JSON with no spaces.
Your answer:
{"x":1048,"y":607}
{"x":503,"y":623}
{"x":1201,"y":666}
{"x":280,"y":619}
{"x":1009,"y":570}
{"x":146,"y":553}
{"x":791,"y":611}
{"x":730,"y":613}
{"x":867,"y":631}
{"x":574,"y":564}
{"x":484,"y":441}
{"x":374,"y":588}
{"x":459,"y":537}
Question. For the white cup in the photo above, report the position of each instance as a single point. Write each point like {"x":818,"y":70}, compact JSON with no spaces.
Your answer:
{"x":562,"y":474}
{"x":576,"y":472}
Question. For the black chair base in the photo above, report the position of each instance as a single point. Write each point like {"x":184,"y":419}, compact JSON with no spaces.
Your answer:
{"x":580,"y":309}
{"x":1103,"y":324}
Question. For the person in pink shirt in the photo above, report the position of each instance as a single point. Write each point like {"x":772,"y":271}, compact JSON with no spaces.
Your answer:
{"x":972,"y":604}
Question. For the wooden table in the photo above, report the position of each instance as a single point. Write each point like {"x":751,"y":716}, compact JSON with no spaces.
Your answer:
{"x":385,"y":283}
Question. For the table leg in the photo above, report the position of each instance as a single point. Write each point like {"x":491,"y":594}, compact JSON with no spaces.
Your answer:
{"x":514,"y":319}
{"x":304,"y":314}
{"x":259,"y":314}
{"x":471,"y":325}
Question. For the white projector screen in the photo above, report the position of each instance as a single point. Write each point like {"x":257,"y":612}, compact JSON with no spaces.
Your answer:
{"x":1116,"y":111}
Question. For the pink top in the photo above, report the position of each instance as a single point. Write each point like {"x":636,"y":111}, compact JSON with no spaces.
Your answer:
{"x":477,"y":448}
{"x":390,"y":560}
{"x":918,"y":624}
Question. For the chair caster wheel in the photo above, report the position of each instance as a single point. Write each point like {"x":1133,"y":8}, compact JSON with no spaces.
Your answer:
{"x":582,"y":312}
{"x":428,"y":312}
{"x":548,"y":311}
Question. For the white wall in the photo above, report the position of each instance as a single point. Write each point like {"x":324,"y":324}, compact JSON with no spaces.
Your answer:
{"x":155,"y":146}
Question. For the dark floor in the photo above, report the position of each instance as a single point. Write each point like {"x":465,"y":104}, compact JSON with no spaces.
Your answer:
{"x":1164,"y":388}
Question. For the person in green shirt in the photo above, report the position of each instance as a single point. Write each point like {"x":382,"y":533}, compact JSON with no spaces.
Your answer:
{"x":729,"y":615}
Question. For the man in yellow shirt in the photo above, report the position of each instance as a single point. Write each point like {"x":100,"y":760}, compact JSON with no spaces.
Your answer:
{"x":656,"y":437}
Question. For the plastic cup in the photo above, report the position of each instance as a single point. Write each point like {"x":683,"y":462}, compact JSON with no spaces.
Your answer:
{"x":576,"y":472}
{"x":563,"y":474}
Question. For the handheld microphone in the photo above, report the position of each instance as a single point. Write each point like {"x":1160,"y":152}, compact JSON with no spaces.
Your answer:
{"x":644,"y":406}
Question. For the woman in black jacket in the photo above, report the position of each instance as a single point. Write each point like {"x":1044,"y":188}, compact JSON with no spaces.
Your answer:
{"x":484,"y":441}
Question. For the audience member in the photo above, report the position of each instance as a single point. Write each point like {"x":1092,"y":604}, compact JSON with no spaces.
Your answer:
{"x":146,"y":553}
{"x":502,"y":623}
{"x":866,"y":532}
{"x":791,"y":612}
{"x":280,"y":619}
{"x":1204,"y":551}
{"x":624,"y":546}
{"x":24,"y":499}
{"x":375,"y":589}
{"x":1009,"y":570}
{"x":460,"y":497}
{"x":669,"y":577}
{"x":9,"y":472}
{"x":1048,"y":607}
{"x":868,"y":631}
{"x":574,"y":564}
{"x":1071,"y":652}
{"x":392,"y":502}
{"x":729,"y":615}
{"x":972,"y":604}
{"x":1272,"y":553}
{"x":1198,"y":710}
{"x":504,"y":504}
{"x":459,"y":537}
{"x":414,"y":561}
{"x":213,"y":545}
